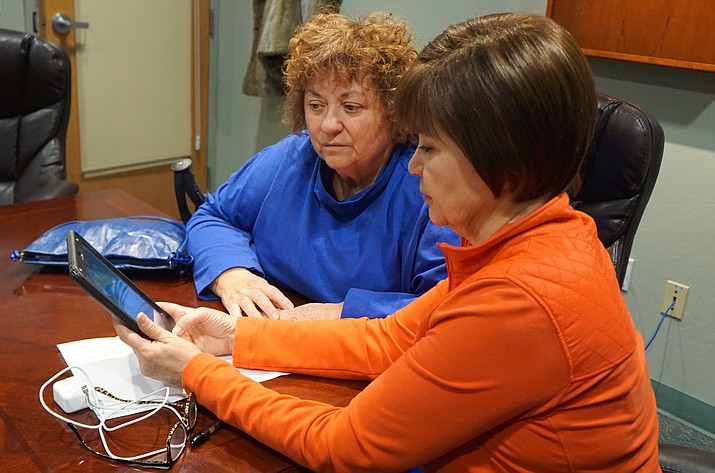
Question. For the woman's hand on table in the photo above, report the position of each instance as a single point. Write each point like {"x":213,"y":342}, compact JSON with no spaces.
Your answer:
{"x":242,"y":292}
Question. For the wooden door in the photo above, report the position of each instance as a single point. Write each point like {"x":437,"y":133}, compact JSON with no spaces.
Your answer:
{"x":151,"y":182}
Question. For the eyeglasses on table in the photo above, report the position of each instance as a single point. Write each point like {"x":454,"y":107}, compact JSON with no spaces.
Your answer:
{"x":151,"y":431}
{"x":120,"y":439}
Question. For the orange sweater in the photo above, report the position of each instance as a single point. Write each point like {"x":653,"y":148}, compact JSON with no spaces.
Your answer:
{"x":524,"y":359}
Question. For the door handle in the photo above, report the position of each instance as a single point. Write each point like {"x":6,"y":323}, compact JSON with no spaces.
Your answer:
{"x":62,"y":24}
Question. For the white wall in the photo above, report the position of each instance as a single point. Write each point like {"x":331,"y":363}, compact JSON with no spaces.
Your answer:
{"x":428,"y":18}
{"x":16,"y":15}
{"x":674,"y":239}
{"x":239,"y":125}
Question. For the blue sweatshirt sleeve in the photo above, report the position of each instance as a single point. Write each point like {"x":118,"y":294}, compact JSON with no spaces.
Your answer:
{"x":219,"y":236}
{"x":423,"y":267}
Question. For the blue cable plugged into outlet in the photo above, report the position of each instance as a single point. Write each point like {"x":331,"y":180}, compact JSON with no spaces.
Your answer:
{"x":670,"y":307}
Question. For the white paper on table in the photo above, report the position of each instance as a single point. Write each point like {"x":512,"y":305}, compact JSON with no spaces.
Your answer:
{"x":258,"y":376}
{"x":111,"y":364}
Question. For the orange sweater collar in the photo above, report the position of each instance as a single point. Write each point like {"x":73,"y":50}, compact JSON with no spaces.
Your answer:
{"x":463,"y":261}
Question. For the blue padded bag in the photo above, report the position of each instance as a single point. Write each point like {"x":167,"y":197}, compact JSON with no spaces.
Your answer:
{"x":143,"y":242}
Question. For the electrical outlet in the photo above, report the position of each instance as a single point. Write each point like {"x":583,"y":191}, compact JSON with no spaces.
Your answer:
{"x":674,"y":291}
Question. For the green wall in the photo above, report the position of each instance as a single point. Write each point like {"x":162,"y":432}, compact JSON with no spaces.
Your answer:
{"x":16,"y":14}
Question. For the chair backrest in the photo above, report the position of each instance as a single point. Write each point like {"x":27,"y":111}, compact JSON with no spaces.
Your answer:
{"x":35,"y":85}
{"x":619,"y":173}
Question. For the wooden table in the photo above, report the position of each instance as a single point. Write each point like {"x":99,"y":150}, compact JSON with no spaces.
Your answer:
{"x":41,"y":307}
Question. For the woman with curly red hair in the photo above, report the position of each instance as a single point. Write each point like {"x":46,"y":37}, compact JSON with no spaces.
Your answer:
{"x":330,"y":212}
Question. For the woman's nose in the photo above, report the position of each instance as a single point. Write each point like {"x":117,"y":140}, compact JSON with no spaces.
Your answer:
{"x":331,"y":124}
{"x":414,"y":166}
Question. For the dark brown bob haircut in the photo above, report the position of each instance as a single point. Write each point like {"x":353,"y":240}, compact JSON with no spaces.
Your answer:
{"x":515,"y":93}
{"x":375,"y":51}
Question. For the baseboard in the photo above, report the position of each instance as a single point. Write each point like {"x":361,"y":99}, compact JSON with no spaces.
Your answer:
{"x":682,"y":406}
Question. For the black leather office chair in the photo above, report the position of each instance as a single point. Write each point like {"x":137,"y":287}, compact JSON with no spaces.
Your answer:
{"x":34,"y":111}
{"x":619,"y":174}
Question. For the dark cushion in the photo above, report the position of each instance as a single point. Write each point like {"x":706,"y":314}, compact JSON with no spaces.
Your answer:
{"x":35,"y":89}
{"x":619,"y":173}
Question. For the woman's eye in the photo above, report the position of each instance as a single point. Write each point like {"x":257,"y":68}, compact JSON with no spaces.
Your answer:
{"x":424,"y":148}
{"x":352,"y":107}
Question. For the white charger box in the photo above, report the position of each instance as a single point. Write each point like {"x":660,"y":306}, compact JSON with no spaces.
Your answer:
{"x":68,"y":394}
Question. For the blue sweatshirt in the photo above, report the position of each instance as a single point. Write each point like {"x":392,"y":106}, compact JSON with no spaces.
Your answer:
{"x":278,"y":217}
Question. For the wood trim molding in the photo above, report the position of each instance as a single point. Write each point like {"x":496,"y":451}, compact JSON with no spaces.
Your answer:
{"x":674,"y":33}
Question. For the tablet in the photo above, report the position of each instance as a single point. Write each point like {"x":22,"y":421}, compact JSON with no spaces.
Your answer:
{"x":110,"y":287}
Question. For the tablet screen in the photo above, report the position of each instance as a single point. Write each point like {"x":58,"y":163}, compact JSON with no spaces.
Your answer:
{"x":109,"y":286}
{"x":124,"y":296}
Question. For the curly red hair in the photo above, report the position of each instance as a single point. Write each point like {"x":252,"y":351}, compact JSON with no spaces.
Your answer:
{"x":374,"y":51}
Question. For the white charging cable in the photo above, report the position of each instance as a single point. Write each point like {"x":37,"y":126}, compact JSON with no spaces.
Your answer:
{"x":70,"y":402}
